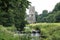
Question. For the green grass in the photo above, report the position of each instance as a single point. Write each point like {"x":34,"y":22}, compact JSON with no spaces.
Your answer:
{"x":6,"y":35}
{"x":50,"y":30}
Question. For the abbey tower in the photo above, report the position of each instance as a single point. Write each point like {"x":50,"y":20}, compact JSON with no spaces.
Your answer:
{"x":31,"y":17}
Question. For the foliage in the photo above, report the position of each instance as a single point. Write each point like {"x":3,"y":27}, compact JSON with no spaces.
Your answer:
{"x":13,"y":13}
{"x":57,"y":7}
{"x":36,"y":16}
{"x":51,"y":17}
{"x":51,"y":31}
{"x":6,"y":35}
{"x":57,"y":16}
{"x":41,"y":17}
{"x":20,"y":12}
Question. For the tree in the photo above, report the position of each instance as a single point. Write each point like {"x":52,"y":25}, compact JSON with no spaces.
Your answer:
{"x":56,"y":10}
{"x":20,"y":15}
{"x":50,"y":18}
{"x":6,"y":13}
{"x":44,"y":13}
{"x":13,"y":12}
{"x":57,"y":16}
{"x":36,"y":16}
{"x":43,"y":16}
{"x":57,"y":7}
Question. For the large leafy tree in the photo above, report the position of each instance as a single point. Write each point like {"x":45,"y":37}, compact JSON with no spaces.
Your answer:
{"x":20,"y":12}
{"x":36,"y":16}
{"x":50,"y":18}
{"x":56,"y":12}
{"x":6,"y":12}
{"x":43,"y":16}
{"x":57,"y":7}
{"x":57,"y":16}
{"x":13,"y":12}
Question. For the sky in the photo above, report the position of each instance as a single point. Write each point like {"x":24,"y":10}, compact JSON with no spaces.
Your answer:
{"x":41,"y":5}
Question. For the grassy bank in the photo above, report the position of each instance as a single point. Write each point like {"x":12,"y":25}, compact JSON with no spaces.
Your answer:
{"x":50,"y":30}
{"x":5,"y":34}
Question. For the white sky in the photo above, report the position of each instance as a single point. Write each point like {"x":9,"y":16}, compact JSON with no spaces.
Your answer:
{"x":41,"y":5}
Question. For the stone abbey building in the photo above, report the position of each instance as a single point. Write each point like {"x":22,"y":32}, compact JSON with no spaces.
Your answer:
{"x":31,"y":17}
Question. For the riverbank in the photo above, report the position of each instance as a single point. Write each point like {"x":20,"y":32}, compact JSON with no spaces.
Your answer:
{"x":51,"y":31}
